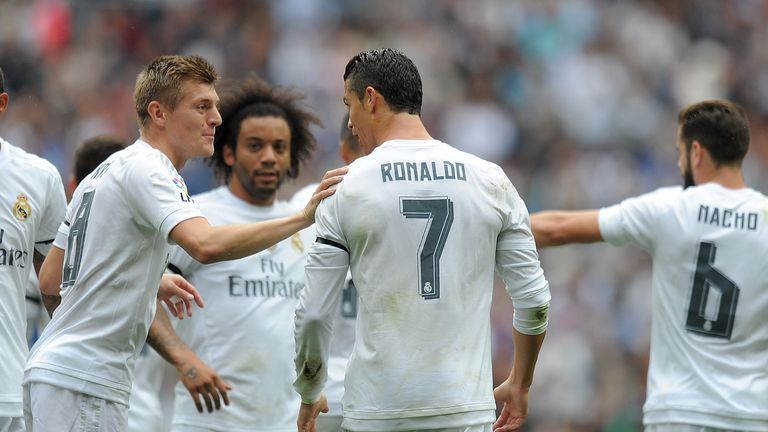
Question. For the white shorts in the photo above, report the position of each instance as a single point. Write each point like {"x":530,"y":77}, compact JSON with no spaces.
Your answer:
{"x":680,"y":427}
{"x":49,"y":408}
{"x":476,"y":428}
{"x":12,"y":424}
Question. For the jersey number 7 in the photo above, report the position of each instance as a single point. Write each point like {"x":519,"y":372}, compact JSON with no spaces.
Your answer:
{"x":438,"y":211}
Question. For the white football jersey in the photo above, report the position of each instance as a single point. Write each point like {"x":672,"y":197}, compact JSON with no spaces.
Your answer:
{"x":152,"y":392}
{"x":115,"y":235}
{"x":33,"y":206}
{"x":709,"y":335}
{"x":424,"y":225}
{"x":343,"y":339}
{"x":245,"y":331}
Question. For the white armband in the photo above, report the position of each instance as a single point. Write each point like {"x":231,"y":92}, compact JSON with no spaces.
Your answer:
{"x":531,"y":321}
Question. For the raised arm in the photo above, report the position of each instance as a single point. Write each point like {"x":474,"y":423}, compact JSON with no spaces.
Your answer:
{"x":554,"y":228}
{"x":208,"y":244}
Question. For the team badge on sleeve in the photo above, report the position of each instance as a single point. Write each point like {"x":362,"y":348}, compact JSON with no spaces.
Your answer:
{"x":22,"y":210}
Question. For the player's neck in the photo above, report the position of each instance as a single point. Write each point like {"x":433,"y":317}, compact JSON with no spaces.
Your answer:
{"x":157,"y":141}
{"x":401,"y":126}
{"x":726,"y":176}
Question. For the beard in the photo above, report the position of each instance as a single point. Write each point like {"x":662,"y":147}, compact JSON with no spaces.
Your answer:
{"x":258,"y":193}
{"x":688,"y":176}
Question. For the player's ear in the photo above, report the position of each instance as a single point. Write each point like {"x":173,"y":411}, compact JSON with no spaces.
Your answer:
{"x":228,"y":154}
{"x":157,"y":114}
{"x":370,"y":99}
{"x":3,"y":102}
{"x":696,"y":153}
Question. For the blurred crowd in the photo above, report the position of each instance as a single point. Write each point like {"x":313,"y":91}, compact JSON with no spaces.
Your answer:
{"x":576,"y":99}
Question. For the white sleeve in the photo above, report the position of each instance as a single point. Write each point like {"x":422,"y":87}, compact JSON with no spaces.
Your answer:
{"x":634,"y":221}
{"x":158,"y":200}
{"x":517,"y":261}
{"x":319,"y":303}
{"x":53,"y":214}
{"x":326,"y":271}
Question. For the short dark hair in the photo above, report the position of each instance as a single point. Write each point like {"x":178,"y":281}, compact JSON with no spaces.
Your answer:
{"x":346,"y":135}
{"x":93,"y":151}
{"x":720,"y":126}
{"x":254,"y":97}
{"x":391,"y":73}
{"x":2,"y":81}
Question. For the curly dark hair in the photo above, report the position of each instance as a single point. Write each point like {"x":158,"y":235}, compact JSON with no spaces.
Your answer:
{"x":391,"y":73}
{"x":254,"y":97}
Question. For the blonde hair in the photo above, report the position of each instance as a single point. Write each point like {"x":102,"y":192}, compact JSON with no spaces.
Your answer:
{"x":163,"y":79}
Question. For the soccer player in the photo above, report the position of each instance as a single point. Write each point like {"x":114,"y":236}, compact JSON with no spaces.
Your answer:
{"x":33,"y":205}
{"x":709,"y":242}
{"x":113,"y":246}
{"x":422,"y":226}
{"x":343,"y":338}
{"x":246,"y":330}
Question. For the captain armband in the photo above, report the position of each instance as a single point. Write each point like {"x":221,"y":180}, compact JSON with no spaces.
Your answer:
{"x":531,"y":321}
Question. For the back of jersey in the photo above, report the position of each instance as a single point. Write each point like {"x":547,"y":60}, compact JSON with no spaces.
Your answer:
{"x":709,"y":345}
{"x":421,"y":221}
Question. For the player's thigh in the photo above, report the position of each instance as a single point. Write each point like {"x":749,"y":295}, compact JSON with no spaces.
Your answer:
{"x":679,"y":427}
{"x":53,"y":409}
{"x":326,"y":423}
{"x":12,"y":424}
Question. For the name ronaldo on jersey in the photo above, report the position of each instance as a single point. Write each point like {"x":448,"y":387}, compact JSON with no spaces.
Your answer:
{"x":422,"y":171}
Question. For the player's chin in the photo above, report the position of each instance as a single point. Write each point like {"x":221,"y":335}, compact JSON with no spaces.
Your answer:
{"x":206,"y":148}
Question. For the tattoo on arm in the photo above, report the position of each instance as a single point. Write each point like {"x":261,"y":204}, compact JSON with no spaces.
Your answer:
{"x":162,"y":337}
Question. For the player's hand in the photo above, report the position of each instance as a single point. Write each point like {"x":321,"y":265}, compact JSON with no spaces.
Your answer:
{"x":515,"y":409}
{"x":203,"y":382}
{"x":308,"y":414}
{"x":178,"y":294}
{"x":324,"y":190}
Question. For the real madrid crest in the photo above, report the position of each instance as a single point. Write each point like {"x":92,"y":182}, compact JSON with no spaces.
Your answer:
{"x":22,"y":210}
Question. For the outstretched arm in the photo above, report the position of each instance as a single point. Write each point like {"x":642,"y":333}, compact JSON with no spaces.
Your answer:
{"x":199,"y":379}
{"x":554,"y":228}
{"x":208,"y":244}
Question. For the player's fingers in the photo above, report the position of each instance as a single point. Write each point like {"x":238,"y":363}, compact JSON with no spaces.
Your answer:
{"x":340,"y":171}
{"x":207,"y":399}
{"x":194,"y":294}
{"x":502,"y":418}
{"x":223,"y":388}
{"x":171,"y":307}
{"x":196,"y":399}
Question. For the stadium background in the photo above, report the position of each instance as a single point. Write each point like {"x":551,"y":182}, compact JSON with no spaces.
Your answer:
{"x":576,"y":99}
